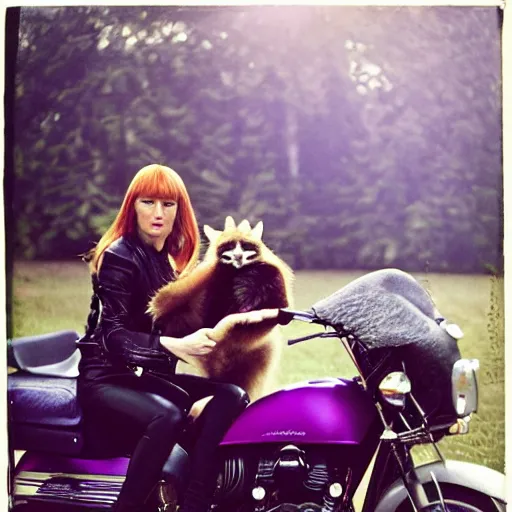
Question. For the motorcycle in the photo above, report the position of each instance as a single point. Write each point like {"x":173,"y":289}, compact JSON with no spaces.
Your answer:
{"x":303,"y":448}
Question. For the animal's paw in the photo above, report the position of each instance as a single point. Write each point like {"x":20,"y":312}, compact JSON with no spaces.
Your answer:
{"x":262,"y":317}
{"x":161,"y":303}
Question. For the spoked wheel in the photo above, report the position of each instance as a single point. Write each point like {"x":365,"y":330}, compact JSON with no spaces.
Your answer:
{"x":457,"y":499}
{"x":451,"y":506}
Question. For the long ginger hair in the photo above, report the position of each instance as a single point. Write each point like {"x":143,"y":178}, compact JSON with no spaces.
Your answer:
{"x":160,"y":182}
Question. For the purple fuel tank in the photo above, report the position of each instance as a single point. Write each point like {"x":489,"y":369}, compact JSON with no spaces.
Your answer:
{"x":327,"y":411}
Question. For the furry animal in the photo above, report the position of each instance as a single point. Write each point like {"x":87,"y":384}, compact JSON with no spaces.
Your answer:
{"x":239,"y":273}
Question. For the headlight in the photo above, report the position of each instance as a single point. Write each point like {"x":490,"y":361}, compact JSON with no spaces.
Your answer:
{"x":394,"y":387}
{"x":464,"y":386}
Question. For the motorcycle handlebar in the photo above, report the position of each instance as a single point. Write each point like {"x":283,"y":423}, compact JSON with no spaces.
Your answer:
{"x":285,"y":316}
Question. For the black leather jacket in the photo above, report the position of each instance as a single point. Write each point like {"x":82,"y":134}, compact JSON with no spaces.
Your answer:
{"x":122,"y":338}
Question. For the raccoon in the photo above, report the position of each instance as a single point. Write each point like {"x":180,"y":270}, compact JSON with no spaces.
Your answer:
{"x":239,"y":273}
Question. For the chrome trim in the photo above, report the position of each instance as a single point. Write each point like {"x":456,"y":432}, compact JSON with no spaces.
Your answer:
{"x":439,"y":492}
{"x":93,"y":489}
{"x":465,"y":386}
{"x":394,"y":387}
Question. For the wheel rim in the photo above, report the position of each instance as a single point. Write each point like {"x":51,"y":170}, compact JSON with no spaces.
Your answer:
{"x":451,"y":506}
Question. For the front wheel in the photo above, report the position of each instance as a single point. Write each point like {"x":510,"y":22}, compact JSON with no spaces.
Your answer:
{"x":457,"y":499}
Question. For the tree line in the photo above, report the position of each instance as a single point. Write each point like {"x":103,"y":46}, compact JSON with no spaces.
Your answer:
{"x":362,"y":137}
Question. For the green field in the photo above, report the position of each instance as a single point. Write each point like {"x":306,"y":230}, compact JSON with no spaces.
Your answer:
{"x":53,"y":296}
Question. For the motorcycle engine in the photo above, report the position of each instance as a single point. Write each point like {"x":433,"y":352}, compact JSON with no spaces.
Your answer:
{"x":283,"y":479}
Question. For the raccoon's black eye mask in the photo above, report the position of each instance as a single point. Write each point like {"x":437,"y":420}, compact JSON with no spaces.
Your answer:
{"x":248,"y":246}
{"x":229,"y":246}
{"x":226,"y":246}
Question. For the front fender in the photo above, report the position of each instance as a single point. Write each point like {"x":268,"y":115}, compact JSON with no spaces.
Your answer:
{"x":472,"y":476}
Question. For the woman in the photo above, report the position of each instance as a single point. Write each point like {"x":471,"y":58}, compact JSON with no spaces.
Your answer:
{"x":132,"y":399}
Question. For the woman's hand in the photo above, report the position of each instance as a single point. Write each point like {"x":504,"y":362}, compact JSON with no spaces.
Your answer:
{"x":191,"y":348}
{"x":194,"y":347}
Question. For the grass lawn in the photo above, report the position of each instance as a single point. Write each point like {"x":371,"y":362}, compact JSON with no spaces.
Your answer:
{"x":55,"y":295}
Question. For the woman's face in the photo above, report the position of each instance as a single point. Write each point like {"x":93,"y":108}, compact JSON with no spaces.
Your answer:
{"x":155,"y":219}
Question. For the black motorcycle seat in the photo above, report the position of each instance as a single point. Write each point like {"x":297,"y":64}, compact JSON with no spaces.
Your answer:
{"x":42,"y":350}
{"x":44,"y":401}
{"x":45,"y":415}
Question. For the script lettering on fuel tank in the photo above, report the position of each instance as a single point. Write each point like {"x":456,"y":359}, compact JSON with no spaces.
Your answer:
{"x":284,"y":433}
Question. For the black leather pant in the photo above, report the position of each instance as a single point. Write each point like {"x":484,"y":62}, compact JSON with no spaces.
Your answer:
{"x":123,"y":415}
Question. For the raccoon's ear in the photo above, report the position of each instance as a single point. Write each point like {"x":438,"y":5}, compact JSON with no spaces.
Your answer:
{"x":244,"y":226}
{"x":211,"y":234}
{"x":257,"y":231}
{"x":230,"y":223}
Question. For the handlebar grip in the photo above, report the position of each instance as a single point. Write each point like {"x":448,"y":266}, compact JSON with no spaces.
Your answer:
{"x":285,"y":316}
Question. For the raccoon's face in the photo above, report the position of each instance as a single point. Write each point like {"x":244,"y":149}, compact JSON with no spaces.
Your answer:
{"x":237,"y":253}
